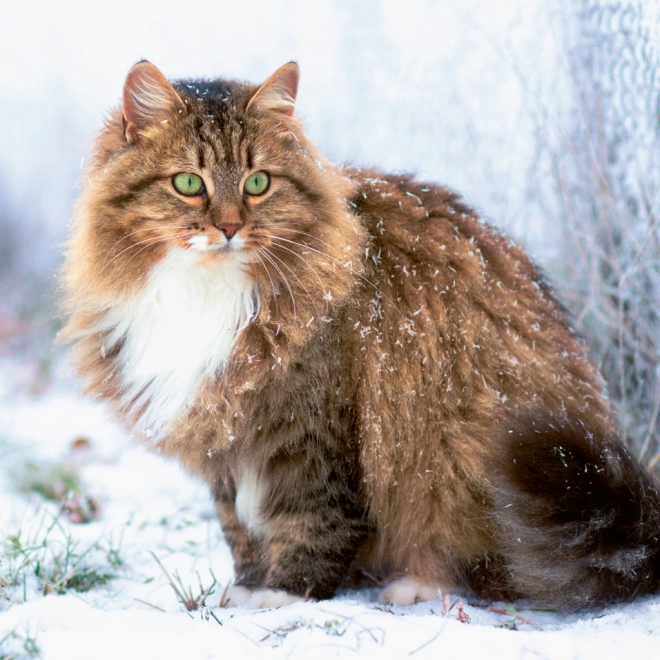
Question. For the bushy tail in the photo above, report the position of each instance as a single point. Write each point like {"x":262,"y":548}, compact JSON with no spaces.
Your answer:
{"x":580,"y":518}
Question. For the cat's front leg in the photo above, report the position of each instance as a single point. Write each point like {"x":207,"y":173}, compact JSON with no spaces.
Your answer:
{"x":249,"y":554}
{"x":246,"y":547}
{"x":249,"y":560}
{"x":303,"y":507}
{"x":313,"y":521}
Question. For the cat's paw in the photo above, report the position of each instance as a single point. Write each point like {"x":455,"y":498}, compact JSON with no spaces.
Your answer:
{"x":271,"y":598}
{"x":237,"y":596}
{"x":408,"y":591}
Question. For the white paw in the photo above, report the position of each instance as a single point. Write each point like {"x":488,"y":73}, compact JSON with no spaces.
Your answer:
{"x":236,"y":596}
{"x":271,"y":598}
{"x":408,"y":591}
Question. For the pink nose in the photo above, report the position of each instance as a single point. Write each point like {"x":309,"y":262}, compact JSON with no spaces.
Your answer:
{"x":229,"y":230}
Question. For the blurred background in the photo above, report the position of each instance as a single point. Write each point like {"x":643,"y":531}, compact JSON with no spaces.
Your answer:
{"x":543,"y":113}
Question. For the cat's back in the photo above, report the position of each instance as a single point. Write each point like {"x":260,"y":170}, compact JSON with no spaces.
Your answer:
{"x":429,"y":227}
{"x":431,"y":258}
{"x":457,"y":331}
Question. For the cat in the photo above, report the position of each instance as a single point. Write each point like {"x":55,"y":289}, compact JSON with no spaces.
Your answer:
{"x":372,"y":381}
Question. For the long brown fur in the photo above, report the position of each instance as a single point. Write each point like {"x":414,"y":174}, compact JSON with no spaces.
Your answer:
{"x":398,"y":340}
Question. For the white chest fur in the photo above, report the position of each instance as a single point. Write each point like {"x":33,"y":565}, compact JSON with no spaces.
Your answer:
{"x":177,"y":332}
{"x":249,"y":497}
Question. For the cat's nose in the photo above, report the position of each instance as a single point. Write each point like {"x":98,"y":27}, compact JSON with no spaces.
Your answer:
{"x":229,"y":230}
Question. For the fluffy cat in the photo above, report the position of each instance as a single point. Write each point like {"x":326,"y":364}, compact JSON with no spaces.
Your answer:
{"x":368,"y":377}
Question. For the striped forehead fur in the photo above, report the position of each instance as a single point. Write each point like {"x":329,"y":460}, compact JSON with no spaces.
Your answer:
{"x":177,"y":332}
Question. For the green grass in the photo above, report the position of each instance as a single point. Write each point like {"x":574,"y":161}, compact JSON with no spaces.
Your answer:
{"x":54,"y":482}
{"x":40,"y":553}
{"x":49,"y":560}
{"x":19,"y":645}
{"x":70,"y":569}
{"x":58,"y":482}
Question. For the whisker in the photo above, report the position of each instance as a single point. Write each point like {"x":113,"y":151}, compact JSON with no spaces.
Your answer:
{"x":149,"y":241}
{"x":258,"y":256}
{"x":279,"y":270}
{"x":279,"y":227}
{"x":153,"y":241}
{"x":336,"y":261}
{"x":146,"y":240}
{"x":137,"y":231}
{"x":158,"y":266}
{"x":296,"y":276}
{"x":295,"y":254}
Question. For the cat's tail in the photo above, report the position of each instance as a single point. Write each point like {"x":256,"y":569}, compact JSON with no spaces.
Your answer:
{"x":580,"y":518}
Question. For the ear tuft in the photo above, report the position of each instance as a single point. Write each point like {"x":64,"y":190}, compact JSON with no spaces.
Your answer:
{"x":149,"y":99}
{"x":278,"y":93}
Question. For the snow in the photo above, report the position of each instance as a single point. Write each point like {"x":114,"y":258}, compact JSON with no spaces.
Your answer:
{"x":149,"y":506}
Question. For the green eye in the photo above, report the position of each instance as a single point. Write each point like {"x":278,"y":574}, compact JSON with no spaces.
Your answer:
{"x":188,"y":184}
{"x":257,"y":183}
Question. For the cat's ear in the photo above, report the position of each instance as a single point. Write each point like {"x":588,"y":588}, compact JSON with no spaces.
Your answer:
{"x":149,"y":99}
{"x":278,"y":93}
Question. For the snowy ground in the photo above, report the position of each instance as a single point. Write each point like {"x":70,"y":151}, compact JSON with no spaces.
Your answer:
{"x":147,"y":507}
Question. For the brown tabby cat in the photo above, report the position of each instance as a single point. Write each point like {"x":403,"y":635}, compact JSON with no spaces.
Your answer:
{"x":366,"y":375}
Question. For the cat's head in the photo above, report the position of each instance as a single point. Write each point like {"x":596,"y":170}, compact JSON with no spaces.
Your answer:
{"x":221,"y":169}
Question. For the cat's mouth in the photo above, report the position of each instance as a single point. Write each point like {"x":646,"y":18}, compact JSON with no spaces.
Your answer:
{"x":221,"y":250}
{"x":201,"y":243}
